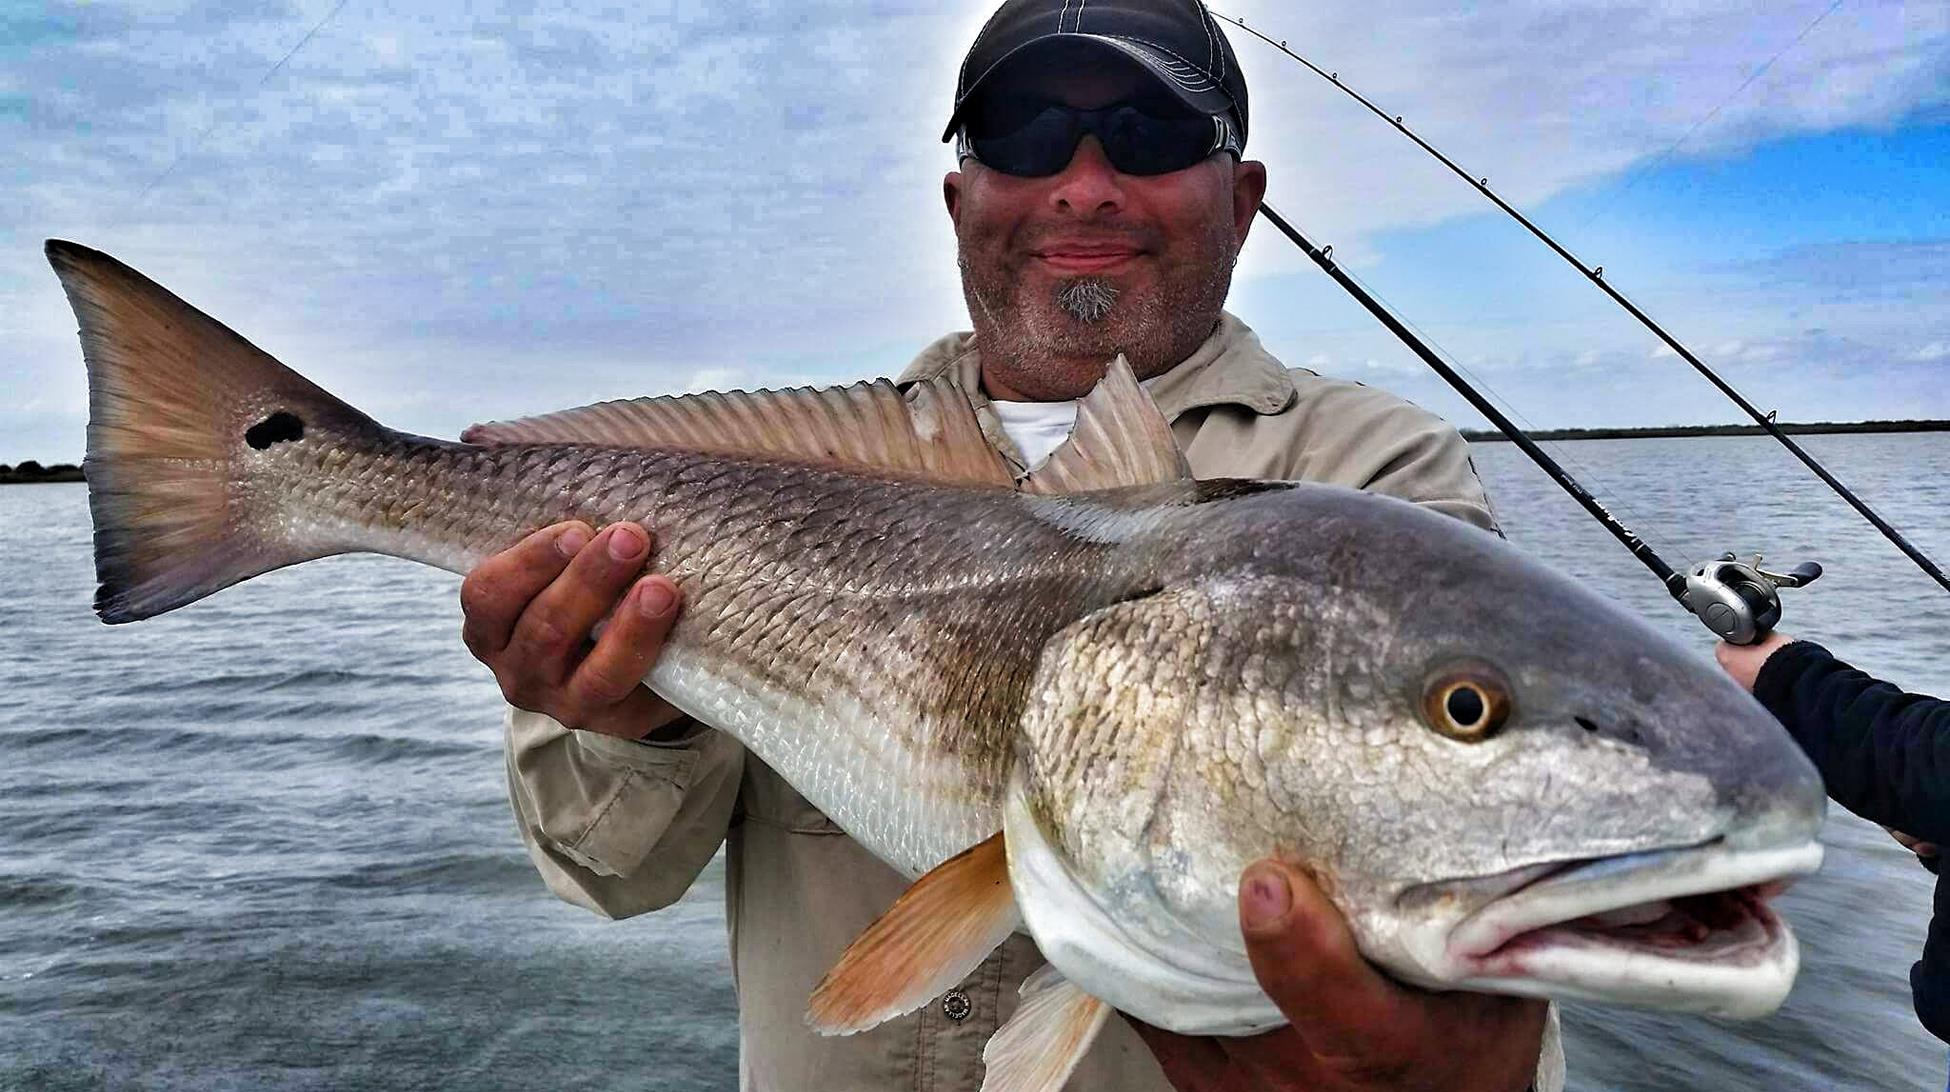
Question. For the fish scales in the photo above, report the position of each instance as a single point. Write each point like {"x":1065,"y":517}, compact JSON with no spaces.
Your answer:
{"x":1486,"y":764}
{"x":925,"y":616}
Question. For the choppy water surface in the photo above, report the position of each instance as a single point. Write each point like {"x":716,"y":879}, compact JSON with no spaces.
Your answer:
{"x":263,"y":843}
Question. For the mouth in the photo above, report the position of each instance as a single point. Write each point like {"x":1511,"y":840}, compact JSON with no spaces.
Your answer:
{"x":1083,"y":259}
{"x":1685,"y":929}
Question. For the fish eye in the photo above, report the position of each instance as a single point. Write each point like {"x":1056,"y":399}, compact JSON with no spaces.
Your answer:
{"x":1468,"y":702}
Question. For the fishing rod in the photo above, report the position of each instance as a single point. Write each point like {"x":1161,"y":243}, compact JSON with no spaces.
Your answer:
{"x":1738,"y":600}
{"x":1596,"y":275}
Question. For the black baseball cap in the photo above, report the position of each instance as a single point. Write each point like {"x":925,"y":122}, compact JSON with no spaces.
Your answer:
{"x":1176,"y":41}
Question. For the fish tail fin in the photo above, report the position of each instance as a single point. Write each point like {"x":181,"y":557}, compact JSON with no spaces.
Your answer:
{"x":177,"y":404}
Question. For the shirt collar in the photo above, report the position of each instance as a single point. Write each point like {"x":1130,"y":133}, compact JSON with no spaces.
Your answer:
{"x":1231,"y":368}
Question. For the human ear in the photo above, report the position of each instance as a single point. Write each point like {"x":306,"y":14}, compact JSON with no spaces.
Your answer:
{"x":951,"y":193}
{"x":1248,"y":190}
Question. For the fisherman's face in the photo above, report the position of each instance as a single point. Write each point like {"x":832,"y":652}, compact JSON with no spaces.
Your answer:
{"x":1062,"y":273}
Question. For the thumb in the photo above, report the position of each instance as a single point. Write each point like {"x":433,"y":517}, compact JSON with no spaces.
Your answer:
{"x":1307,"y":961}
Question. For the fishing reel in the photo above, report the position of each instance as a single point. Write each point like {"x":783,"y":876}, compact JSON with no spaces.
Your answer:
{"x":1739,"y":600}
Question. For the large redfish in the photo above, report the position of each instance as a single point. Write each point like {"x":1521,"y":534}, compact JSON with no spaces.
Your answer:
{"x":1080,"y":707}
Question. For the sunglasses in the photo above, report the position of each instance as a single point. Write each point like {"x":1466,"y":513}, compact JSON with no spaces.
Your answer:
{"x":1035,"y":138}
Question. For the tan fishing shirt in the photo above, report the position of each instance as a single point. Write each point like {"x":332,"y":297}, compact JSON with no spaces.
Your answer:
{"x":623,"y":827}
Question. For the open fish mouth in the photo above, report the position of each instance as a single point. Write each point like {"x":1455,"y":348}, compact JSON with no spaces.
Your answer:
{"x":1685,"y":929}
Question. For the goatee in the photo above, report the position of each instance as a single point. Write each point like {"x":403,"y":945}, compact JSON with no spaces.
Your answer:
{"x":1087,"y":300}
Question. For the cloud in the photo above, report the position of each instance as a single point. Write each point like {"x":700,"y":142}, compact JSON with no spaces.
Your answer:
{"x":450,"y":213}
{"x":1616,"y":86}
{"x":716,"y":379}
{"x":1865,"y":270}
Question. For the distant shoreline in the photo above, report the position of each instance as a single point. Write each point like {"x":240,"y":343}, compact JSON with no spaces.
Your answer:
{"x":33,"y":473}
{"x":1663,"y":432}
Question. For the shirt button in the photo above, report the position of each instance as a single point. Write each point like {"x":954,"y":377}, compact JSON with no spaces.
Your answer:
{"x":956,"y":1006}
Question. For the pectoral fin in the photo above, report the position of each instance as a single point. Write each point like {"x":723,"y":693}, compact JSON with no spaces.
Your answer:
{"x":1040,"y":1046}
{"x":933,"y":936}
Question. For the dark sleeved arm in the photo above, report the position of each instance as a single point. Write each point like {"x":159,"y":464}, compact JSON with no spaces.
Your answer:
{"x":1883,"y":754}
{"x":1929,"y":979}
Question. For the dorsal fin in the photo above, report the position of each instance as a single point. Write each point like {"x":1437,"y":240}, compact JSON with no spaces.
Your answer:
{"x":1120,"y":439}
{"x":931,"y":435}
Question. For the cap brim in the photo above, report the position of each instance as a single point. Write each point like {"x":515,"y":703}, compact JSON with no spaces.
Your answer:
{"x":1189,"y":83}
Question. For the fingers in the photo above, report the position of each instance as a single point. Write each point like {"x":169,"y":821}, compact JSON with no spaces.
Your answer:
{"x":531,"y":609}
{"x":1744,"y":662}
{"x":549,"y":636}
{"x":1737,"y":661}
{"x":1914,"y":845}
{"x":495,"y":594}
{"x":1307,"y":961}
{"x":1355,"y":1024}
{"x":609,"y":677}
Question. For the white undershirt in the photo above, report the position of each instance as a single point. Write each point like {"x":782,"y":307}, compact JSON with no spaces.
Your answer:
{"x":1038,"y":428}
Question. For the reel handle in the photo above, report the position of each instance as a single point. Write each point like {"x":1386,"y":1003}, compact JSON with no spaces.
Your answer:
{"x":1800,"y":576}
{"x":1739,"y":600}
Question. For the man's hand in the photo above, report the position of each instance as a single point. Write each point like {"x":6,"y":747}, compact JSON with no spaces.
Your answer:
{"x":530,"y":611}
{"x":1743,"y":662}
{"x":1351,"y":1029}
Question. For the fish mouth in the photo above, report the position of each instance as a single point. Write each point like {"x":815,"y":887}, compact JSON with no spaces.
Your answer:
{"x":1686,"y":929}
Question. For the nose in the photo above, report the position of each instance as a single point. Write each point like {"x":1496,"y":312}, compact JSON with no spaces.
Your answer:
{"x":1089,"y":186}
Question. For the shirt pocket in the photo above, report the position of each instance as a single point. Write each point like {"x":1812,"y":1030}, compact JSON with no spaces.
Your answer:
{"x":768,"y":799}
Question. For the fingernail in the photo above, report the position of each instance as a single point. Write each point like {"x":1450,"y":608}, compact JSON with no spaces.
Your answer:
{"x":571,"y":541}
{"x":626,"y":543}
{"x":1264,"y":897}
{"x":654,"y":600}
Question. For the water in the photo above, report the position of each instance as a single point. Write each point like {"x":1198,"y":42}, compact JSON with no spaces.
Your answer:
{"x":264,"y":843}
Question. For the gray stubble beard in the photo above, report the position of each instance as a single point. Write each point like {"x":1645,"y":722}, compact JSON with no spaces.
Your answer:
{"x":1155,"y":330}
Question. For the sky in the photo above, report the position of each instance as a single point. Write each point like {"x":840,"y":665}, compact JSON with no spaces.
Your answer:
{"x":449,"y":212}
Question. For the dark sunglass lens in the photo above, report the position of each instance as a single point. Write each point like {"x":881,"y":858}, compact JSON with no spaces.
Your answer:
{"x":1038,"y":145}
{"x":1000,"y":115}
{"x":1141,"y":143}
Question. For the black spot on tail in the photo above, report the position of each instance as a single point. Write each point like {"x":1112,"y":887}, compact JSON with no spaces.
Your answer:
{"x":275,"y":429}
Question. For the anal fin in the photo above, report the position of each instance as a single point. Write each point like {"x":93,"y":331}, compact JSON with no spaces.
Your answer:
{"x":1040,"y":1046}
{"x":933,"y":936}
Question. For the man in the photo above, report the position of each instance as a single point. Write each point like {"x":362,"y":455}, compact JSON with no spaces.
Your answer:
{"x":1099,"y":208}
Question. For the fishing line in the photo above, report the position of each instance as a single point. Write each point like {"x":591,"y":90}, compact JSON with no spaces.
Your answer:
{"x":1655,"y":164}
{"x":1615,"y":500}
{"x":1596,"y":275}
{"x":196,"y":139}
{"x":1676,"y":584}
